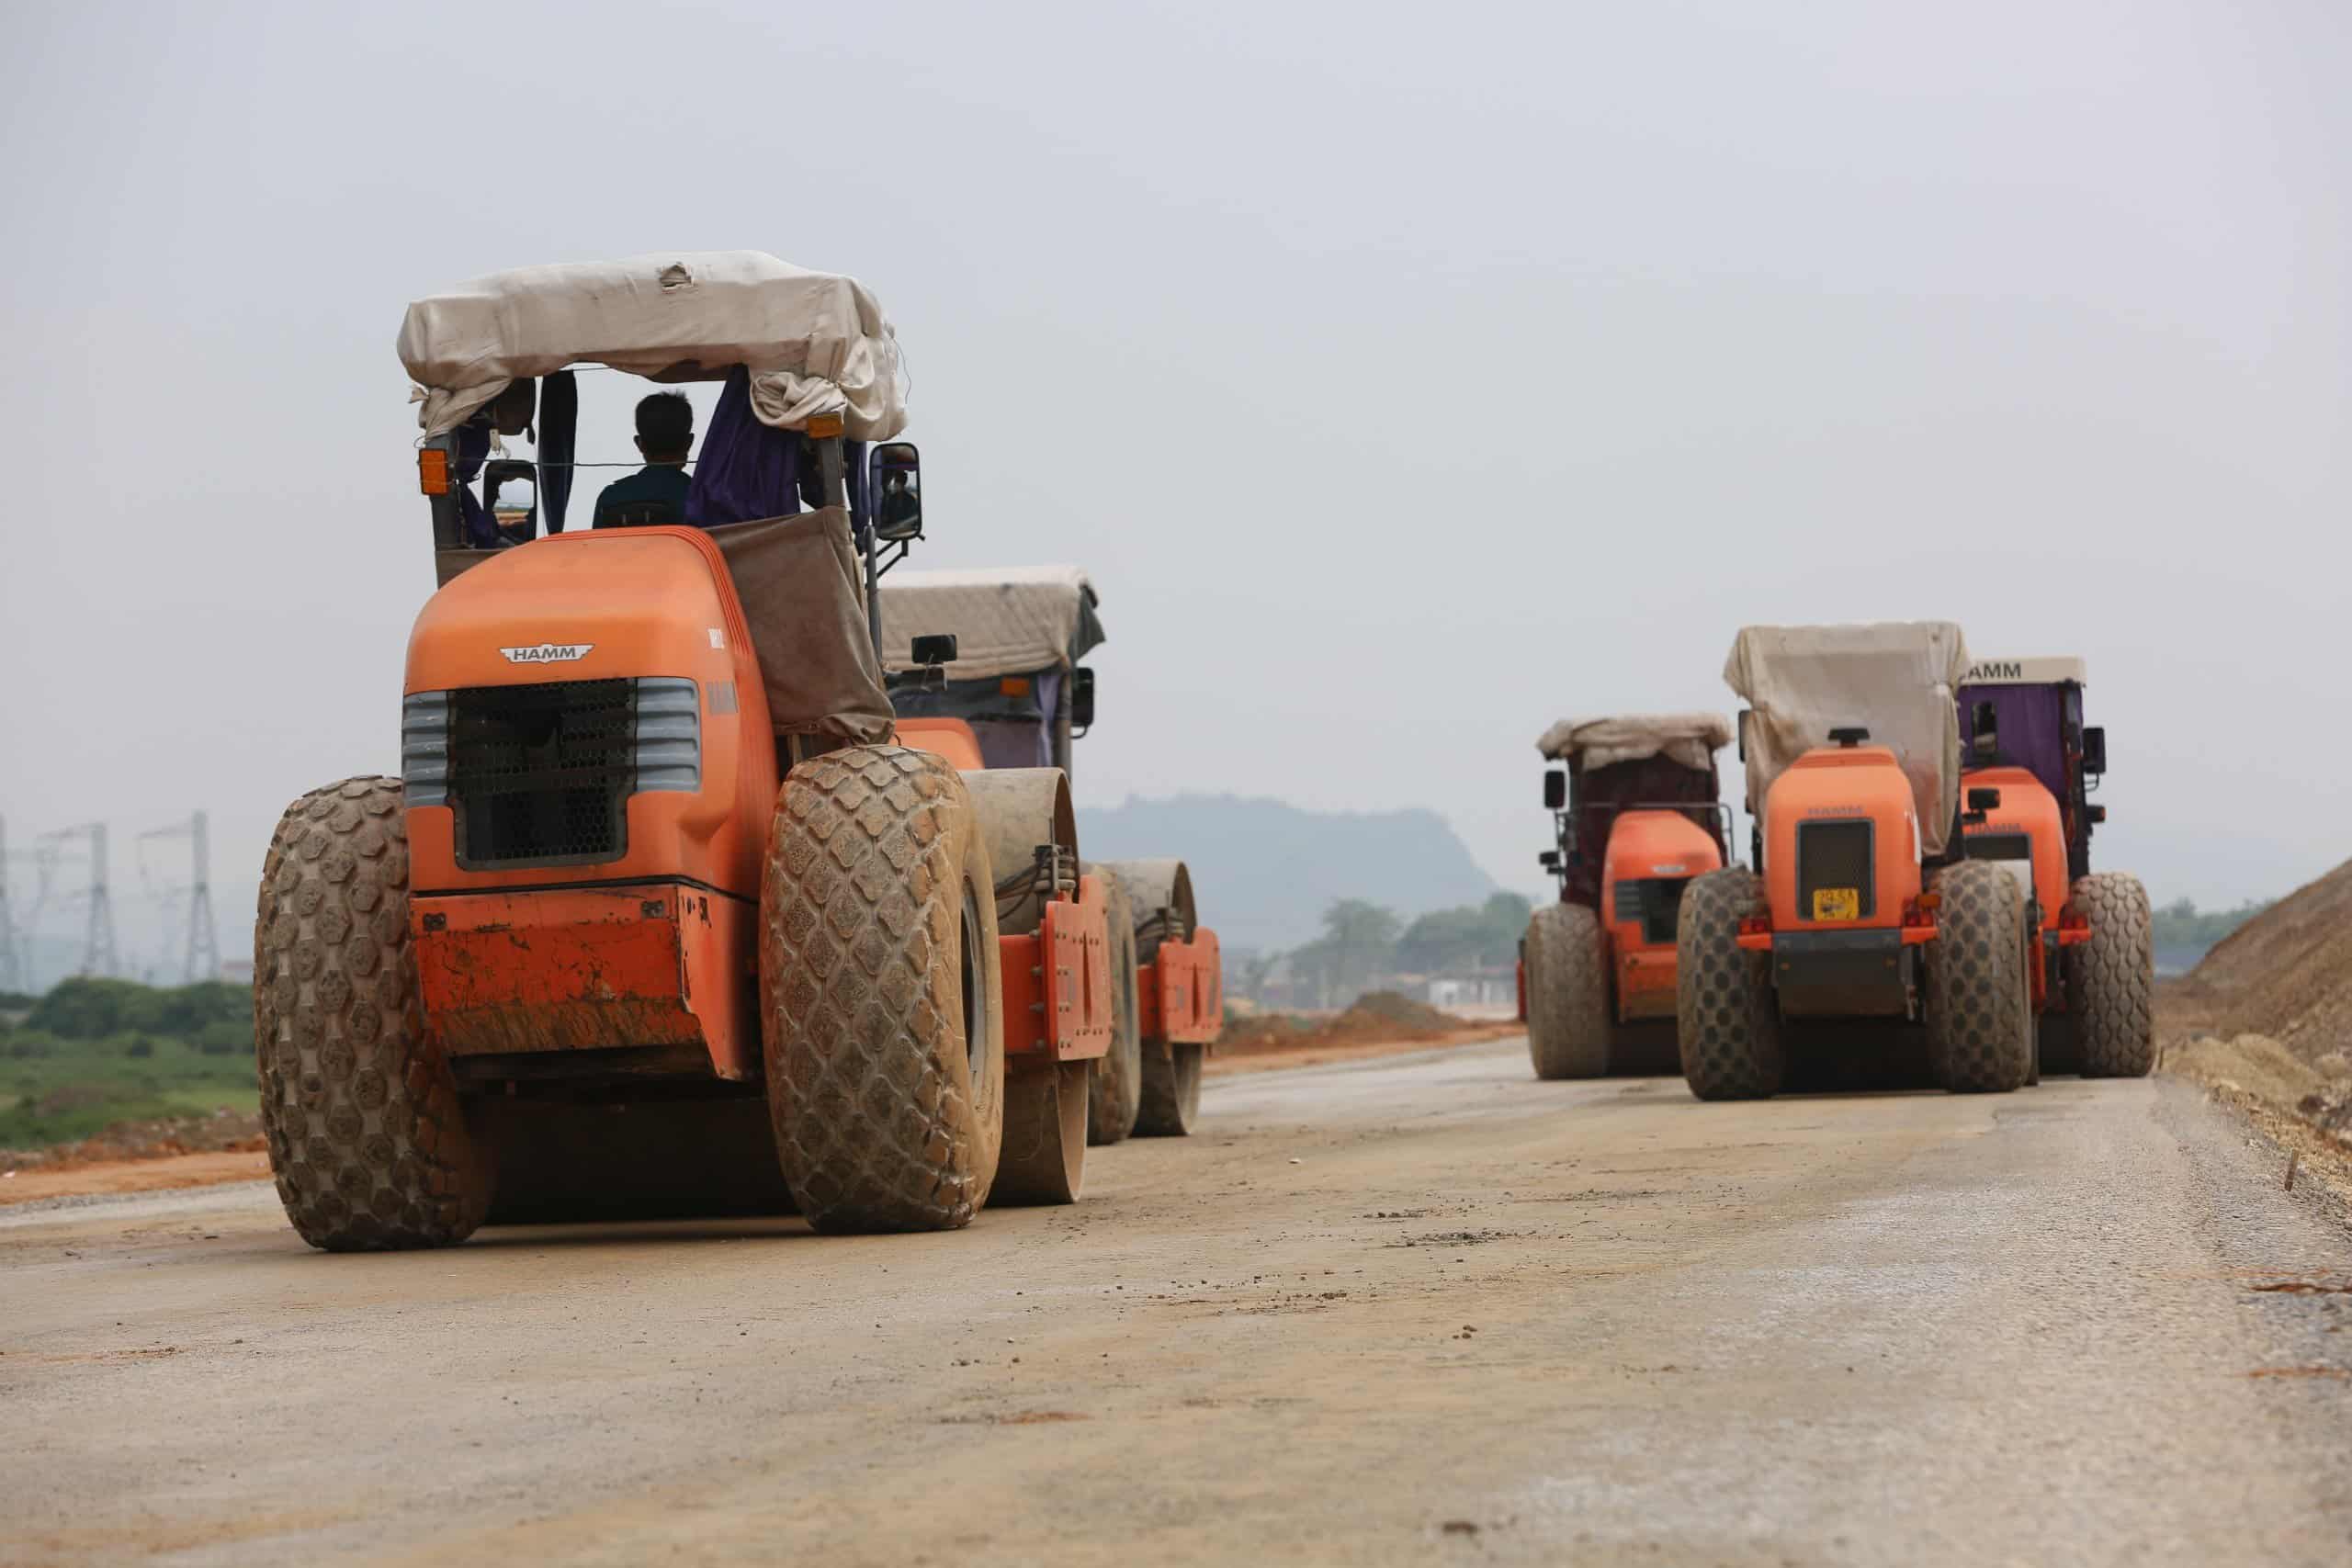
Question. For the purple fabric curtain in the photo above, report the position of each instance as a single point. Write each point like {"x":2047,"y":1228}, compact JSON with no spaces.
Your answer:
{"x":474,"y":451}
{"x":747,"y":470}
{"x":2031,"y":728}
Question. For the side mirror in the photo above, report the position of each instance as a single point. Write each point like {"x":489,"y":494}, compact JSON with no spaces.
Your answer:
{"x":1081,"y":700}
{"x":510,"y":493}
{"x":896,"y":493}
{"x":2097,"y":814}
{"x":1549,"y":860}
{"x":2094,"y":748}
{"x":1981,"y":799}
{"x":1740,"y":732}
{"x":939,"y":648}
{"x":1555,"y":788}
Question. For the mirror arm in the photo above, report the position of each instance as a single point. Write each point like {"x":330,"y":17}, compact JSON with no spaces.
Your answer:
{"x":873,"y":597}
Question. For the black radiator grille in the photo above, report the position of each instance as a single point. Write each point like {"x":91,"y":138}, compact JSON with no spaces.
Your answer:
{"x":542,"y":774}
{"x":1656,"y":901}
{"x":1836,"y":854}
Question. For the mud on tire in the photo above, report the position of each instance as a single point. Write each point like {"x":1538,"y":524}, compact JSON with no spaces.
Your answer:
{"x":1980,"y":1028}
{"x":1568,"y":1022}
{"x":2112,"y":979}
{"x":1115,"y":1081}
{"x":368,"y":1138}
{"x":1725,"y":1018}
{"x":878,"y":969}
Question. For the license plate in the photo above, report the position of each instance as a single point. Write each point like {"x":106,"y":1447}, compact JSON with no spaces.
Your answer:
{"x":1836,"y":902}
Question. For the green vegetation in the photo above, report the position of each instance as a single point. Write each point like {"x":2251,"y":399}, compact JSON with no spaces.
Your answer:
{"x":93,"y":1053}
{"x":2182,"y":925}
{"x":1472,"y":937}
{"x":1362,"y":941}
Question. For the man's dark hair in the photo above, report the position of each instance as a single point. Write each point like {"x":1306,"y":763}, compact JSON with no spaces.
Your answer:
{"x":665,"y":423}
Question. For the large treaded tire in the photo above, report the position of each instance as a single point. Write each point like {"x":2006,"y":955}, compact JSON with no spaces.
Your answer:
{"x":2112,"y":979}
{"x":1568,"y":1032}
{"x":368,"y":1137}
{"x":878,"y":959}
{"x":1114,"y":1086}
{"x":1979,"y":1024}
{"x":1727,"y":1023}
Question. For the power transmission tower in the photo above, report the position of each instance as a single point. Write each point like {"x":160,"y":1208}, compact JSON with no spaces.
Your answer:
{"x":98,"y":955}
{"x":203,"y":941}
{"x":13,"y":977}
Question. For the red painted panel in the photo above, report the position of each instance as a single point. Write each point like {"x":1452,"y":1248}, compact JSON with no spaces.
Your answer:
{"x":1181,"y":993}
{"x":1057,"y":1000}
{"x":587,"y":969}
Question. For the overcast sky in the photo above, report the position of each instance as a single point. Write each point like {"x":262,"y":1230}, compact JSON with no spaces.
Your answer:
{"x":1406,"y":376}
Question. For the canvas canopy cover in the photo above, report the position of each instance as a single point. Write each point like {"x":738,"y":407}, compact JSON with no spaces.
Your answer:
{"x":1690,"y":738}
{"x":1894,"y":679}
{"x":1006,"y":620}
{"x":814,"y":343}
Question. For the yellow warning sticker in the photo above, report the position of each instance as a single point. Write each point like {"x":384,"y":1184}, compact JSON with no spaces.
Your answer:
{"x":1836,"y":902}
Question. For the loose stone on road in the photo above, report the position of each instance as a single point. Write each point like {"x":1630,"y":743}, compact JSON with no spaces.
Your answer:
{"x":1397,"y":1310}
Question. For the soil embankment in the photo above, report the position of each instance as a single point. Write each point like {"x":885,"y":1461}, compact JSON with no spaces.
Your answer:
{"x":1380,"y":1023}
{"x":2265,"y":1024}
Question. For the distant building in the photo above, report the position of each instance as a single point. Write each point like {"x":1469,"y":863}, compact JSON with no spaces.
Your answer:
{"x":1463,"y":990}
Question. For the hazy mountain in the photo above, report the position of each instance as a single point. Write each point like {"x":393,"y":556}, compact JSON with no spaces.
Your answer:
{"x":1263,"y":869}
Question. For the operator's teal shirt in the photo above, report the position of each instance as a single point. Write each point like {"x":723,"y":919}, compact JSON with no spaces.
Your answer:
{"x":655,"y":481}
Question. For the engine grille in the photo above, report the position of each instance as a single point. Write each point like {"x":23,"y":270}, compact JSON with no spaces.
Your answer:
{"x":1656,"y":901}
{"x":542,"y":773}
{"x":1836,"y":854}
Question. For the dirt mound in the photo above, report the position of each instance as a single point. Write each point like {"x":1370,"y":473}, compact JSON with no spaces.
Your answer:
{"x":2305,"y":1109}
{"x":2286,"y":974}
{"x":1388,"y":1011}
{"x":1375,"y":1017}
{"x":222,"y":1132}
{"x":2265,"y":1022}
{"x":2256,"y":1065}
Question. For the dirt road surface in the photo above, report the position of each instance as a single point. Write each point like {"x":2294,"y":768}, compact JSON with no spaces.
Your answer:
{"x":1420,"y":1309}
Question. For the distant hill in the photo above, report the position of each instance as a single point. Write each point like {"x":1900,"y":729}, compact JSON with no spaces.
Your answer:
{"x":1264,"y":869}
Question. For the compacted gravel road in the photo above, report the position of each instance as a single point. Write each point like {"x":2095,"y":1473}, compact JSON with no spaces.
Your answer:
{"x":1418,"y":1309}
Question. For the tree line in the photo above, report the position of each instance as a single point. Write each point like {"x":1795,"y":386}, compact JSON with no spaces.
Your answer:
{"x":1362,"y":941}
{"x":2181,"y":924}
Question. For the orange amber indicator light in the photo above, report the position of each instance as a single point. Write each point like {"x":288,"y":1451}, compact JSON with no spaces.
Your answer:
{"x":1013,"y":686}
{"x":433,"y":470}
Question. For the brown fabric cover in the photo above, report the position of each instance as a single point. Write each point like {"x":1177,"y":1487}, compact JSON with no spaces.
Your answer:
{"x":447,"y":564}
{"x":804,"y":597}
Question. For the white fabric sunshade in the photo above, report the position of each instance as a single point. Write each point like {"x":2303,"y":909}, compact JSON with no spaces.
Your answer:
{"x":815,"y":342}
{"x":1690,"y":738}
{"x":1894,"y":679}
{"x":1006,"y":620}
